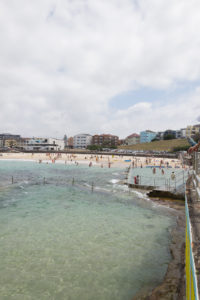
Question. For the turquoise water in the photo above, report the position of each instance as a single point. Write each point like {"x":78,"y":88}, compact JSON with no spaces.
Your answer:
{"x":159,"y":180}
{"x":62,"y":241}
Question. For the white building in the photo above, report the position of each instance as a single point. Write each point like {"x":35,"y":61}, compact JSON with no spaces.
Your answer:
{"x":132,"y":139}
{"x":43,"y":144}
{"x":58,"y":144}
{"x":82,"y":140}
{"x":183,"y":132}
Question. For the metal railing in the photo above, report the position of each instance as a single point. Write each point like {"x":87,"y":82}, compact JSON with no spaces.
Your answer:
{"x":196,"y":162}
{"x":190,"y":270}
{"x":169,"y":183}
{"x":196,"y":173}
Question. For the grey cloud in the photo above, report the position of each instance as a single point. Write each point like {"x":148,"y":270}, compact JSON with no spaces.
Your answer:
{"x":61,"y":72}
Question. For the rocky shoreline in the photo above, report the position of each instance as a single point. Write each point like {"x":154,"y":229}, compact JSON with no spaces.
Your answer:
{"x":173,"y":285}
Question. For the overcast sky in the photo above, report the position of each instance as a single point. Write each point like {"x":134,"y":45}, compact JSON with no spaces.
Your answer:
{"x":98,"y":66}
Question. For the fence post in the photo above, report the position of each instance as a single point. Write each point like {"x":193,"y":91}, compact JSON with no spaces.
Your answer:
{"x":12,"y":180}
{"x":92,"y":186}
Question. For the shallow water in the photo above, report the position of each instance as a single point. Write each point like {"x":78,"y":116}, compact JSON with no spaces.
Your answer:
{"x":159,"y":180}
{"x":60,"y":240}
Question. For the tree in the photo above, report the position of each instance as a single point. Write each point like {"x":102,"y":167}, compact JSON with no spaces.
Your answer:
{"x":94,"y":147}
{"x":169,"y":137}
{"x":196,"y":137}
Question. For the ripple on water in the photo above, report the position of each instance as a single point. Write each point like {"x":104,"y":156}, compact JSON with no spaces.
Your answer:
{"x":60,"y":241}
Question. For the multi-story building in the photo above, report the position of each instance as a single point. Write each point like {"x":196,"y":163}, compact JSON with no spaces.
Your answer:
{"x":22,"y":143}
{"x":121,"y":142}
{"x":159,"y":135}
{"x":9,"y":140}
{"x":42,"y":144}
{"x":4,"y":136}
{"x":178,"y":134}
{"x":183,"y":133}
{"x":10,"y":143}
{"x":106,"y":140}
{"x":147,"y":136}
{"x":192,"y":130}
{"x":57,"y":144}
{"x":132,"y":139}
{"x":82,"y":140}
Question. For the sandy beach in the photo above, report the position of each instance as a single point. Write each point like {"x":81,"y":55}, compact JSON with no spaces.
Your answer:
{"x":94,"y":160}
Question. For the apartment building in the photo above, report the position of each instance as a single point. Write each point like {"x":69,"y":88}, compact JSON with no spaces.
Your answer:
{"x":42,"y":144}
{"x":9,"y":140}
{"x":183,"y":132}
{"x":191,"y":130}
{"x":82,"y":140}
{"x":107,"y":140}
{"x":132,"y":139}
{"x":147,"y":136}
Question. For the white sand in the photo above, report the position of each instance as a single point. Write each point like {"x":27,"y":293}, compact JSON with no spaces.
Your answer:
{"x":98,"y":160}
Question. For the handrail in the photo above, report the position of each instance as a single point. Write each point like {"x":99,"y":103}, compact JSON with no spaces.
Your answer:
{"x":160,"y":182}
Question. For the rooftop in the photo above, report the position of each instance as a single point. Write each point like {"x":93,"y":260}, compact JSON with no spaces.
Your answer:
{"x":133,"y":135}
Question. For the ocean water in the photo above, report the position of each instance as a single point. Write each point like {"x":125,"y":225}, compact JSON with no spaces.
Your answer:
{"x":61,"y":240}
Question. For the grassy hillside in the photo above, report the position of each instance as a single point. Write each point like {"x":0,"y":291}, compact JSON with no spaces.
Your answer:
{"x":167,"y":145}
